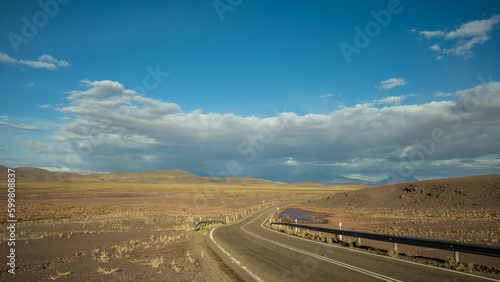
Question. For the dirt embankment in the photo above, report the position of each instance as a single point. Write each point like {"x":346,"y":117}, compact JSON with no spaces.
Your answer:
{"x":465,"y":209}
{"x":464,"y":193}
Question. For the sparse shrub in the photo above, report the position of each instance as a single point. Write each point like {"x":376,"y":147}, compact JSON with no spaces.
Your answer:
{"x":103,"y":257}
{"x":157,"y":262}
{"x":175,"y":267}
{"x":451,"y":263}
{"x":469,"y":267}
{"x":106,"y":270}
{"x":393,"y":253}
{"x":189,"y":258}
{"x":59,"y":275}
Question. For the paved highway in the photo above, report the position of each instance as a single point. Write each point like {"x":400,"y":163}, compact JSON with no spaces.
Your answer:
{"x":256,"y":253}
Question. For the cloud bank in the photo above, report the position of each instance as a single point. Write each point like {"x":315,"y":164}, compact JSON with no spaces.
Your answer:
{"x":114,"y":129}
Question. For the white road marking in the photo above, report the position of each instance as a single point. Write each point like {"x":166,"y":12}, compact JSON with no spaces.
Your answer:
{"x":348,"y":266}
{"x":235,"y":260}
{"x":379,"y":256}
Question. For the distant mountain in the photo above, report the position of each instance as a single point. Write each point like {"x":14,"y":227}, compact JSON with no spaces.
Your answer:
{"x":160,"y":176}
{"x":179,"y":176}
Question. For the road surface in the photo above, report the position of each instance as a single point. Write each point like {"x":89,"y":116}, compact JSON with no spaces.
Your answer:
{"x":256,"y":253}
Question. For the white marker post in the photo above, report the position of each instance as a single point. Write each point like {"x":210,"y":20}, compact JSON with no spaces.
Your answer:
{"x":340,"y":228}
{"x":296,"y":228}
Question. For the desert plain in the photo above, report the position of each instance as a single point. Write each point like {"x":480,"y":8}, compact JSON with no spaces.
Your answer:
{"x":140,"y":226}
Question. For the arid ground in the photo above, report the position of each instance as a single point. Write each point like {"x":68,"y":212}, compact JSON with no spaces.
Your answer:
{"x":463,"y":209}
{"x":126,"y":231}
{"x":139,"y":227}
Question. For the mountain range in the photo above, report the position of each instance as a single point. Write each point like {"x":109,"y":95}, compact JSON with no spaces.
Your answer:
{"x":175,"y":176}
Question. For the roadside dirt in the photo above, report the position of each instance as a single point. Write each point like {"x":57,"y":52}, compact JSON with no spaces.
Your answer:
{"x":458,"y":209}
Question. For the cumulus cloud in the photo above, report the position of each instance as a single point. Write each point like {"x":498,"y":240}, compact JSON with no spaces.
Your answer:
{"x":44,"y":62}
{"x":464,"y":38}
{"x":391,"y":83}
{"x":113,"y":128}
{"x":326,"y":95}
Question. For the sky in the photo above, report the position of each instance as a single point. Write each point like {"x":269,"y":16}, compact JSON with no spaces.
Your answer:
{"x":280,"y":90}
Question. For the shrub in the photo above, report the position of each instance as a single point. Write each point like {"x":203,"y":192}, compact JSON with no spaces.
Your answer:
{"x":157,"y":262}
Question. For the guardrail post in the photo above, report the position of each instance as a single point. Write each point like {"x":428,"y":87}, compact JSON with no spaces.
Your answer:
{"x":359,"y":241}
{"x":395,"y":247}
{"x":456,"y":256}
{"x":319,"y":235}
{"x":340,"y":228}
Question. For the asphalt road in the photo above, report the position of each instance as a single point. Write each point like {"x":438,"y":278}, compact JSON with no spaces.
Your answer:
{"x":256,"y":253}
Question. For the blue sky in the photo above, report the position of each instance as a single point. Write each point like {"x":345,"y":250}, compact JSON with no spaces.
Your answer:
{"x":200,"y":85}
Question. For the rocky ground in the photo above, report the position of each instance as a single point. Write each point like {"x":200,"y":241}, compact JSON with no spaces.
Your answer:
{"x":458,"y":209}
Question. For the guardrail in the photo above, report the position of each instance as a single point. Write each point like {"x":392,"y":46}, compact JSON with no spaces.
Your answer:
{"x":241,"y":214}
{"x":200,"y":224}
{"x":456,"y":247}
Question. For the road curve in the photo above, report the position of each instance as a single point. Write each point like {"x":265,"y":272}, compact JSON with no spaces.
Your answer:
{"x":256,"y":253}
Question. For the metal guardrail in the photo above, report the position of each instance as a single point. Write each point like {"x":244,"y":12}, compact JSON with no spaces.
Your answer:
{"x":421,"y":242}
{"x":200,"y":224}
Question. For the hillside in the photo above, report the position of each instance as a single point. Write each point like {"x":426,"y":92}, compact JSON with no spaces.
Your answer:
{"x":477,"y":192}
{"x":160,"y":176}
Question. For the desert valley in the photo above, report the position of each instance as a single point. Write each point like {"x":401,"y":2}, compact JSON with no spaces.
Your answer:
{"x":140,"y":226}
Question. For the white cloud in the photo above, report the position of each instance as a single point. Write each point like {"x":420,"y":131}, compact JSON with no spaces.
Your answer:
{"x":364,"y":177}
{"x":290,"y":161}
{"x":44,"y":106}
{"x":28,"y":85}
{"x":393,"y":99}
{"x":391,"y":83}
{"x":20,"y":127}
{"x":465,"y":37}
{"x":112,"y":129}
{"x":441,"y":94}
{"x":326,"y":96}
{"x":478,"y":28}
{"x":431,"y":34}
{"x":44,"y":61}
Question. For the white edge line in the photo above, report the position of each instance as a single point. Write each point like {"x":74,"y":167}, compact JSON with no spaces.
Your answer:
{"x":235,"y":260}
{"x":332,"y":261}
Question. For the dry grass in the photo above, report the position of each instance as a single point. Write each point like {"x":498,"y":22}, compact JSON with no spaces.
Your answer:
{"x":157,"y":262}
{"x":59,"y":275}
{"x":189,"y":258}
{"x":107,"y":270}
{"x":393,"y":254}
{"x":174,"y":266}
